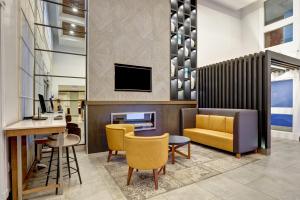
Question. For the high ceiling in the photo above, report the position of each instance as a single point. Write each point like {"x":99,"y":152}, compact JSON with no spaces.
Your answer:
{"x":71,"y":18}
{"x":234,"y":4}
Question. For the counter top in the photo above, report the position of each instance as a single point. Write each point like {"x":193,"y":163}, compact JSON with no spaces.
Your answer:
{"x":38,"y":124}
{"x":141,"y":102}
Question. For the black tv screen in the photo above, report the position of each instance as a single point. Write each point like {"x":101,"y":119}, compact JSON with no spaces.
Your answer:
{"x":133,"y":78}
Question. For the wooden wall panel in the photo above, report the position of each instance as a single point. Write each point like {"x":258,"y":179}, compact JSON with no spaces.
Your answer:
{"x":167,"y":120}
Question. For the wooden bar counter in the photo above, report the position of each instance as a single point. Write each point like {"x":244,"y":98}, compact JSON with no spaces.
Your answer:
{"x":23,"y":128}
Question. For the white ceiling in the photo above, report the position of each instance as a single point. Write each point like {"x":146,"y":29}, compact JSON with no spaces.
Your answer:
{"x":234,"y":4}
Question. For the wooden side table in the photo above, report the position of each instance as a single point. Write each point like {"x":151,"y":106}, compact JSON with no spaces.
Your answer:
{"x":176,"y":142}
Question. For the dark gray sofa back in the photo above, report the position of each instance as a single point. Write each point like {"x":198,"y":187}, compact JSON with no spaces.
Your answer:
{"x":221,"y":111}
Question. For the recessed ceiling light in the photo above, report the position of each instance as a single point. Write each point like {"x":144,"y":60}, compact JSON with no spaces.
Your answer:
{"x":74,"y":9}
{"x":73,"y":25}
{"x":71,"y":32}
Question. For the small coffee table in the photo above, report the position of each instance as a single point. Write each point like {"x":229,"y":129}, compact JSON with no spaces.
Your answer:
{"x":175,"y":142}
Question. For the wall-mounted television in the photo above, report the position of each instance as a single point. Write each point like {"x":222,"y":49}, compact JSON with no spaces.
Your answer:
{"x":133,"y":78}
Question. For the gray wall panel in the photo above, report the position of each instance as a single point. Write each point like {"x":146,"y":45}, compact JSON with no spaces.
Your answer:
{"x":235,"y":83}
{"x":217,"y":86}
{"x":227,"y":84}
{"x":249,"y":82}
{"x":206,"y":87}
{"x":239,"y":83}
{"x":209,"y":86}
{"x":244,"y":82}
{"x":230,"y":84}
{"x":223,"y":85}
{"x":254,"y":81}
{"x":220,"y":86}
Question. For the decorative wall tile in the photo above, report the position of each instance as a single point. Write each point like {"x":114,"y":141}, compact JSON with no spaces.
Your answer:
{"x":131,"y":32}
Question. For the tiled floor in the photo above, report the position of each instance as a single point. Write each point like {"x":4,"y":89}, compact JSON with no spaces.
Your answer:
{"x":274,"y":177}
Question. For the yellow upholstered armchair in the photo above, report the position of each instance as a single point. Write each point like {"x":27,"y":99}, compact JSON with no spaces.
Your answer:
{"x":115,"y":137}
{"x":147,"y":153}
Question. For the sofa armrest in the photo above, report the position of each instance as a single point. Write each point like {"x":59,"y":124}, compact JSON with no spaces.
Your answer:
{"x":188,"y":118}
{"x":245,"y":131}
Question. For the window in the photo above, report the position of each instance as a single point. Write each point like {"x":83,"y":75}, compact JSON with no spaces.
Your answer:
{"x":276,"y":10}
{"x":60,"y":58}
{"x":279,"y":36}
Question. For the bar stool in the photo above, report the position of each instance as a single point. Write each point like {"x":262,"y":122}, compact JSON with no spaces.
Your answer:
{"x":70,"y":140}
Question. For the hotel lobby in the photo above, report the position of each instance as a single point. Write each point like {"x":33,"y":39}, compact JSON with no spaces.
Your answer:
{"x":140,"y":99}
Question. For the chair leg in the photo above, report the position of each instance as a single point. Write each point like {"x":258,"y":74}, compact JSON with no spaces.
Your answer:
{"x":130,"y":170}
{"x":57,"y":173}
{"x":49,"y":169}
{"x":109,"y":155}
{"x":164,"y":170}
{"x":77,"y":166}
{"x":116,"y":152}
{"x":155,"y":174}
{"x":68,"y":161}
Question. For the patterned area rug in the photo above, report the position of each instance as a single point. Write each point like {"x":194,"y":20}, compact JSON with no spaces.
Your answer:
{"x":205,"y":162}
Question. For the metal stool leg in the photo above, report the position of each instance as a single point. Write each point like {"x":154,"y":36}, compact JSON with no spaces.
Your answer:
{"x":77,"y":166}
{"x":57,"y":172}
{"x":49,"y":169}
{"x":68,"y":161}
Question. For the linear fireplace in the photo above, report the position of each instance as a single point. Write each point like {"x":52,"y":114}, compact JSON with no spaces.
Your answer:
{"x":141,"y":120}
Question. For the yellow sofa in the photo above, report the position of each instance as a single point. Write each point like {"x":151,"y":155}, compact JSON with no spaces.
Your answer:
{"x":212,"y":130}
{"x":233,"y":130}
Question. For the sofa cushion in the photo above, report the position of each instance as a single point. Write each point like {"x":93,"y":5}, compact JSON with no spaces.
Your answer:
{"x":217,"y":123}
{"x":202,"y":121}
{"x":212,"y":138}
{"x":229,"y":124}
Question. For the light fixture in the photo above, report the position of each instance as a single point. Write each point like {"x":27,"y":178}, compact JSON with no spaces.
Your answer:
{"x":71,"y":32}
{"x":73,"y":25}
{"x":277,"y":67}
{"x":74,"y":9}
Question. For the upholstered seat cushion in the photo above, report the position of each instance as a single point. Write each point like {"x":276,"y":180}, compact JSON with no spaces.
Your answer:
{"x":217,"y":139}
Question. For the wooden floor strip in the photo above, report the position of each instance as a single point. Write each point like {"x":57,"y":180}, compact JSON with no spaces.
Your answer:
{"x":39,"y":189}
